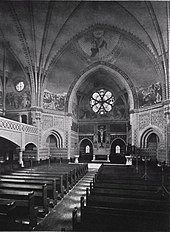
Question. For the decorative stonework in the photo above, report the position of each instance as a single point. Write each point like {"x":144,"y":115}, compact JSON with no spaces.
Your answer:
{"x":17,"y":126}
{"x":31,"y":138}
{"x":47,"y":122}
{"x":144,"y":120}
{"x":113,"y":137}
{"x":90,"y":137}
{"x":157,"y":118}
{"x":59,"y":123}
{"x":53,"y":101}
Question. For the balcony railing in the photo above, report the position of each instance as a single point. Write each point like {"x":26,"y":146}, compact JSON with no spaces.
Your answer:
{"x":8,"y":124}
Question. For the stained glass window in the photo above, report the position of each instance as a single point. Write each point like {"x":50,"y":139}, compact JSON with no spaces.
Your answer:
{"x":20,"y":86}
{"x":87,"y":149}
{"x":102,"y":101}
{"x":117,"y":149}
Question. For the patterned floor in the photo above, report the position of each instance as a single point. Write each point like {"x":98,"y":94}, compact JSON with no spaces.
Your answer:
{"x":60,"y":217}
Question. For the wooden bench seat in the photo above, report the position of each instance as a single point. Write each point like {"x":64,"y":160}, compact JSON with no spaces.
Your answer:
{"x":40,"y":192}
{"x":64,"y":177}
{"x":127,"y":193}
{"x":114,"y":219}
{"x":72,"y":178}
{"x":7,"y":208}
{"x":125,"y":186}
{"x":52,"y":193}
{"x":25,"y":210}
{"x":128,"y":203}
{"x":120,"y":180}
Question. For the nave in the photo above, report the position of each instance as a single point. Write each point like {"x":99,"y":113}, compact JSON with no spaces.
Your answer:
{"x":97,"y":197}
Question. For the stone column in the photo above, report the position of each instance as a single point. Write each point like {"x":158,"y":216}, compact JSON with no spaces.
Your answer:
{"x":21,"y":158}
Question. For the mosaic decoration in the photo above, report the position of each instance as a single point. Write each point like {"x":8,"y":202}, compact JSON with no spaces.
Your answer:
{"x":157,"y":118}
{"x":98,"y":43}
{"x":53,"y":101}
{"x":18,"y":101}
{"x":47,"y":122}
{"x":144,"y":120}
{"x":59,"y":123}
{"x":151,"y":95}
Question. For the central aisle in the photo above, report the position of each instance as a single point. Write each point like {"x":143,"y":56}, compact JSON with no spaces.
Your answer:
{"x":60,"y":217}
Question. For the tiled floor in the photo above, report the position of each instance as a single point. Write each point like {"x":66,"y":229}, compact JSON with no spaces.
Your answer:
{"x":60,"y":217}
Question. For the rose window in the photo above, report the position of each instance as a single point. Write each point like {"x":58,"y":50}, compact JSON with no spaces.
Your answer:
{"x":20,"y":86}
{"x":102,"y":101}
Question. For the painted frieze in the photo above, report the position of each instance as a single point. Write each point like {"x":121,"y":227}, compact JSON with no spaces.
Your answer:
{"x":151,"y":95}
{"x":54,"y":101}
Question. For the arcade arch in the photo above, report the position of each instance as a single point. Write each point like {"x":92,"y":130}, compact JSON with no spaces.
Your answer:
{"x":85,"y":150}
{"x":117,"y":151}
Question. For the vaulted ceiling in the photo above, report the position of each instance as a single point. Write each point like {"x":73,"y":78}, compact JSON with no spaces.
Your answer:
{"x":48,"y":41}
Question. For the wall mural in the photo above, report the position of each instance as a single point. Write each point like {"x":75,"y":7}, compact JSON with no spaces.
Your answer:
{"x":53,"y":101}
{"x":98,"y":43}
{"x":151,"y":95}
{"x":18,"y":101}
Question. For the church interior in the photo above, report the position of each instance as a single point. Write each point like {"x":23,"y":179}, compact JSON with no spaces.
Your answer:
{"x":85,"y":115}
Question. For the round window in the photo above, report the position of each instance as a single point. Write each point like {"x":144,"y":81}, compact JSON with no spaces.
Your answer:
{"x":20,"y":86}
{"x":102,"y":101}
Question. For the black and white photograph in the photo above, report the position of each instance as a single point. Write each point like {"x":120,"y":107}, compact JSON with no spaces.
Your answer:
{"x":85,"y":115}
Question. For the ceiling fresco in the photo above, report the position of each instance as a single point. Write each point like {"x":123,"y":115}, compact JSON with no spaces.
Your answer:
{"x":50,"y":43}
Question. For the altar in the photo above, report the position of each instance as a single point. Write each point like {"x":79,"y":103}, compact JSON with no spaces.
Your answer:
{"x":101,"y":154}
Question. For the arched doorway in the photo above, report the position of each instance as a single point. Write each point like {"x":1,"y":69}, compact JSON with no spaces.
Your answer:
{"x":85,"y":151}
{"x":117,"y":152}
{"x":30,"y":154}
{"x":9,"y":155}
{"x":8,"y":150}
{"x":54,"y":144}
{"x":152,"y":142}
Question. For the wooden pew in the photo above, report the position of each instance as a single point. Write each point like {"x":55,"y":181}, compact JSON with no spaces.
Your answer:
{"x":127,"y":202}
{"x":139,"y":186}
{"x":120,"y":217}
{"x":7,"y":208}
{"x":63,"y":178}
{"x":69,"y":176}
{"x":52,"y":193}
{"x":75,"y":171}
{"x":110,"y":219}
{"x":40,"y":192}
{"x":146,"y":194}
{"x":25,"y":210}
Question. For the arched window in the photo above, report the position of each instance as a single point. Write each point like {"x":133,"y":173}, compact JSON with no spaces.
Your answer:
{"x":117,"y":149}
{"x":87,"y":149}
